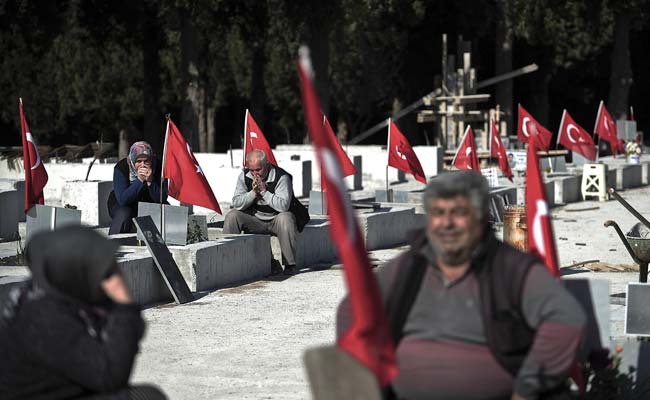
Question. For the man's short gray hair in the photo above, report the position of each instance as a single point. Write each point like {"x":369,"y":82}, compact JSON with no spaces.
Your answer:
{"x":468,"y":184}
{"x":260,"y":154}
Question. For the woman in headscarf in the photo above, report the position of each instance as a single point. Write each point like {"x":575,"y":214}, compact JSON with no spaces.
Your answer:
{"x":72,"y":331}
{"x":136,"y":178}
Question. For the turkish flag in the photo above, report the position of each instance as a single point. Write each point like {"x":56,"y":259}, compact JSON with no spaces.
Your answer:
{"x":187,"y":182}
{"x":498,"y":151}
{"x":347,"y":166}
{"x":606,"y":127}
{"x":254,"y":139}
{"x":466,"y":157}
{"x":35,"y":174}
{"x":538,"y":219}
{"x":576,"y":138}
{"x":368,"y":339}
{"x":401,"y":154}
{"x":528,"y":127}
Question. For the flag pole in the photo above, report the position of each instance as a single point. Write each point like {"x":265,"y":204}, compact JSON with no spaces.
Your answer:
{"x":322,"y":200}
{"x":162,"y":179}
{"x":600,"y":107}
{"x":491,"y":133}
{"x":389,"y":198}
{"x":559,"y":131}
{"x":244,"y":140}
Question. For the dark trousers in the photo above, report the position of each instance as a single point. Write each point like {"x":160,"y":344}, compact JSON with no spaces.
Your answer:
{"x":121,"y":218}
{"x":137,"y":392}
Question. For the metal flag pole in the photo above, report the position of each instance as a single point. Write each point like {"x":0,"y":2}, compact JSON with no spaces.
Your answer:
{"x":244,"y":138}
{"x":322,"y":198}
{"x":600,"y":107}
{"x":389,"y":198}
{"x":162,"y":178}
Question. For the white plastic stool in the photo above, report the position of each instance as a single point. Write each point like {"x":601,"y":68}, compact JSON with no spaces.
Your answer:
{"x":594,"y":181}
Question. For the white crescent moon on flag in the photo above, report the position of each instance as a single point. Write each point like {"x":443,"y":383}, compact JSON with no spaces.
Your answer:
{"x":402,"y":156}
{"x":538,"y":237}
{"x":524,"y":127}
{"x":568,"y":132}
{"x":468,"y":151}
{"x":189,"y":151}
{"x":333,"y":173}
{"x":497,"y":142}
{"x":38,"y":156}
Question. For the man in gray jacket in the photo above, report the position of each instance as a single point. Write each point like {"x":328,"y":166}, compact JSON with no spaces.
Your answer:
{"x":261,"y":205}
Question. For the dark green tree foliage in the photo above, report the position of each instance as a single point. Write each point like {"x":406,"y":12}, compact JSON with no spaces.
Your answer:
{"x":88,"y":68}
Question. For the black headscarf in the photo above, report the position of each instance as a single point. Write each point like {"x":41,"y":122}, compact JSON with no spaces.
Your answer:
{"x":72,"y":261}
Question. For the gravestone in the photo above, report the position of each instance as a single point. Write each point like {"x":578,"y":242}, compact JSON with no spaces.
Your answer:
{"x":8,"y":217}
{"x":392,"y":196}
{"x":317,"y":203}
{"x":164,"y":260}
{"x":637,"y":309}
{"x":175,"y":217}
{"x":333,"y":374}
{"x":593,"y":296}
{"x":47,"y":218}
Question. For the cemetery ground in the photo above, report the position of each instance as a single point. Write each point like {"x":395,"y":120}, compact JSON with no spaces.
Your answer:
{"x":246,"y":342}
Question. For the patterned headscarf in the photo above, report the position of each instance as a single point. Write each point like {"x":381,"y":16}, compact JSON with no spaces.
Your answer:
{"x":138,"y":149}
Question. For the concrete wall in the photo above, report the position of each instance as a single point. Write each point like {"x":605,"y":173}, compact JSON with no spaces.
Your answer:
{"x":231,"y":259}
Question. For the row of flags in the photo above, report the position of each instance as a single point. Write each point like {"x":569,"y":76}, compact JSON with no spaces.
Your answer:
{"x":570,"y":135}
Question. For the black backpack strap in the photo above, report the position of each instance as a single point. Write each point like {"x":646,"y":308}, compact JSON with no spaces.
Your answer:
{"x":403,"y":292}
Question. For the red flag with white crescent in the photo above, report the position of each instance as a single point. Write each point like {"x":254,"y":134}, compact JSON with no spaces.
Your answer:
{"x":498,"y":151}
{"x":606,"y":127}
{"x":187,"y":183}
{"x":347,"y":167}
{"x":254,"y":139}
{"x":528,"y":127}
{"x":401,"y":154}
{"x":35,"y":174}
{"x":576,"y":138}
{"x":540,"y":233}
{"x":466,"y":157}
{"x":368,"y":339}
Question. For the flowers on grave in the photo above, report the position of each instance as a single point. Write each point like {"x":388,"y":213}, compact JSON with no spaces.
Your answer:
{"x":632,"y":148}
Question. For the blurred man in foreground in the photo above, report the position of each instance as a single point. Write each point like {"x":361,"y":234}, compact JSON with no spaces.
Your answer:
{"x":474,"y":318}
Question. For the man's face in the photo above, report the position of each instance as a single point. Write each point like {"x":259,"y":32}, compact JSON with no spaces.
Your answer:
{"x":256,"y":168}
{"x":453,"y":228}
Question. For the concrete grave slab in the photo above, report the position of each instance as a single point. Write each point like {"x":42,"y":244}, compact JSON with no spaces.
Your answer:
{"x":8,"y":216}
{"x":19,"y":185}
{"x":314,"y":245}
{"x":628,"y":176}
{"x":593,"y":296}
{"x":41,"y":218}
{"x":386,"y":227}
{"x":90,"y":197}
{"x":142,"y":276}
{"x":645,"y":172}
{"x":230,"y":259}
{"x":568,"y":189}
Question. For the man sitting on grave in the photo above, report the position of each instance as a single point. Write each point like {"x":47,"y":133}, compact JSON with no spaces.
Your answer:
{"x":474,"y":318}
{"x":264,"y":203}
{"x":72,"y":330}
{"x":136,"y":178}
